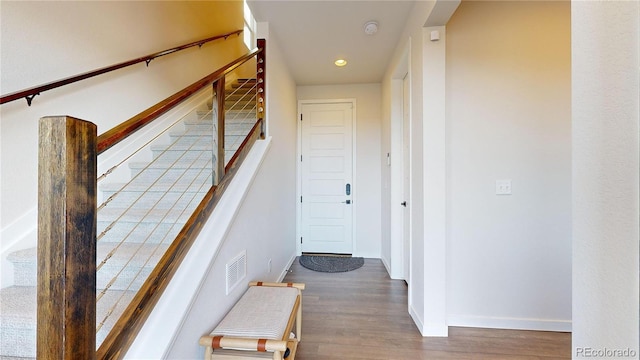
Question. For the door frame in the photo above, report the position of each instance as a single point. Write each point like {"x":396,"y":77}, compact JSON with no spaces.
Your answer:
{"x":354,"y":181}
{"x":398,"y":254}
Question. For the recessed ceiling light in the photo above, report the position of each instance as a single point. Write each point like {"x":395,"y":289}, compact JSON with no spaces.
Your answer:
{"x":341,"y":62}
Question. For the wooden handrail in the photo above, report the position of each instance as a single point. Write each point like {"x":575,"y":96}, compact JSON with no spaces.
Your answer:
{"x":243,"y":146}
{"x":30,"y":93}
{"x":122,"y":131}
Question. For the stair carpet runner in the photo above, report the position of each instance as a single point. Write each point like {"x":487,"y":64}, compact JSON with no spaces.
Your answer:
{"x":148,"y":213}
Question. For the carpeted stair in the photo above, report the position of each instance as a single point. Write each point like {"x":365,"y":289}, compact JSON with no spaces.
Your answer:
{"x":137,"y":224}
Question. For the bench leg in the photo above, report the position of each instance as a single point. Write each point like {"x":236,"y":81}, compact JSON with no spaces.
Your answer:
{"x":299,"y":321}
{"x":208,"y":353}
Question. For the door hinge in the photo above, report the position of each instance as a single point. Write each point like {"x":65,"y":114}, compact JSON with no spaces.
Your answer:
{"x":300,"y":198}
{"x":300,"y":117}
{"x":300,"y":239}
{"x":300,"y":157}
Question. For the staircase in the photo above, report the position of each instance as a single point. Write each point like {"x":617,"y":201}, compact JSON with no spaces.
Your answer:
{"x":139,"y":220}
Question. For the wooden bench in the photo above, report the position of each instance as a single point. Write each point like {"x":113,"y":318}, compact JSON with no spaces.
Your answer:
{"x":259,"y":325}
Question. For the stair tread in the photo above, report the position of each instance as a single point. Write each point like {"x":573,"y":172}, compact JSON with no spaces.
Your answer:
{"x":123,"y":254}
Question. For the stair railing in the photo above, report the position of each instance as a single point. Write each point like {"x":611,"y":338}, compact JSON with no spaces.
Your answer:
{"x":30,"y":93}
{"x":68,"y":236}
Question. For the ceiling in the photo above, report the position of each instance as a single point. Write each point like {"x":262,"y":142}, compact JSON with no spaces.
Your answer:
{"x":313,"y":34}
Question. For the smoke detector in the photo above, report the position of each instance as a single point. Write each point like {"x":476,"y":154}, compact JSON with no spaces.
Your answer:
{"x":371,"y":27}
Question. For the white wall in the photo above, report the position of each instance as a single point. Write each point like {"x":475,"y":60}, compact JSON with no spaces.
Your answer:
{"x":44,"y":41}
{"x":509,"y":117}
{"x":605,"y":45}
{"x":367,"y":242}
{"x":434,"y":181}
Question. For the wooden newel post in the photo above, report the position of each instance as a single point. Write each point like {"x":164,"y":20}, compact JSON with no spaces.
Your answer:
{"x":67,"y":173}
{"x":218,"y":116}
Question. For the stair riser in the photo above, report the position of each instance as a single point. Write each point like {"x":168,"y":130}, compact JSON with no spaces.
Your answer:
{"x":153,"y":200}
{"x":196,"y":181}
{"x":201,"y":143}
{"x":24,"y":273}
{"x":247,"y":112}
{"x":196,"y":131}
{"x":246,"y":97}
{"x":248,"y":85}
{"x":199,"y":134}
{"x":239,"y":105}
{"x":184,"y":143}
{"x":182,"y":176}
{"x":182,"y":156}
{"x":134,"y":191}
{"x":236,"y":115}
{"x":154,"y":216}
{"x":196,"y":164}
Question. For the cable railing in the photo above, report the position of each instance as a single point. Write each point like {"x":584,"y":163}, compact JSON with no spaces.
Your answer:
{"x":142,"y":225}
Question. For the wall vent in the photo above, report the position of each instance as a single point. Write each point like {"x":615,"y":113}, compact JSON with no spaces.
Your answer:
{"x":236,"y":271}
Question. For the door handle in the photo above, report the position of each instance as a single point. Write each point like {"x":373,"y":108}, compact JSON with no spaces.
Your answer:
{"x":404,"y":203}
{"x":347,"y":202}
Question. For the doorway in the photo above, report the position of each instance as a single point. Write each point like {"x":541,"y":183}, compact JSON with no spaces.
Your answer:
{"x":400,"y":206}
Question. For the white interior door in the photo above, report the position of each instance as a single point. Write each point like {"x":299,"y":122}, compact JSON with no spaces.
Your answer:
{"x":326,"y":178}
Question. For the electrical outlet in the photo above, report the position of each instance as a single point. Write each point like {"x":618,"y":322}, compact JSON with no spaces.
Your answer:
{"x":503,"y":187}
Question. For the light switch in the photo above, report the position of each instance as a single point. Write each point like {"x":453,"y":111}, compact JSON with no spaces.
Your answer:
{"x":503,"y":187}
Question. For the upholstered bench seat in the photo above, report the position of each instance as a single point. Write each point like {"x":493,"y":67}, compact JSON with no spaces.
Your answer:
{"x":262,"y":312}
{"x":261,"y":321}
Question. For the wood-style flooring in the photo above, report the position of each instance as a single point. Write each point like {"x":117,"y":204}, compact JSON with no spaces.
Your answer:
{"x":362,"y":314}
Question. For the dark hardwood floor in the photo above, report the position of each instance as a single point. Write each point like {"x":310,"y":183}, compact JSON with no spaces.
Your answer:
{"x":362,"y":314}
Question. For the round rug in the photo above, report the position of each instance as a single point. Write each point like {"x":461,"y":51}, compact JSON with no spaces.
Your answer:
{"x":331,"y":264}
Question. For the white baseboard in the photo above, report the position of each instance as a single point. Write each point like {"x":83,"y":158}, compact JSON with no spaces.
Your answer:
{"x":509,"y":323}
{"x":285,"y":271}
{"x":21,"y":230}
{"x":428,"y":330}
{"x":386,"y":264}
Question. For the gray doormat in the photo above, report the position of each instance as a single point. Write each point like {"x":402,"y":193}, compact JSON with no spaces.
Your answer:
{"x":331,"y":264}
